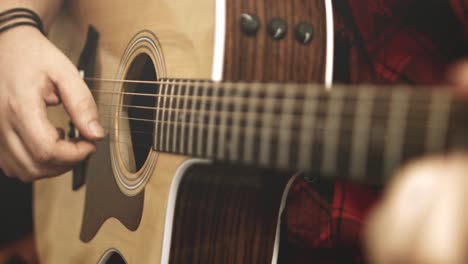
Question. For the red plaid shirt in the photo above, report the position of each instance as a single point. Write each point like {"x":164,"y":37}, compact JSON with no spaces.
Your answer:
{"x":377,"y":41}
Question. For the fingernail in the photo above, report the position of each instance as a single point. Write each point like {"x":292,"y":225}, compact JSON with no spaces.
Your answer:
{"x":96,"y":129}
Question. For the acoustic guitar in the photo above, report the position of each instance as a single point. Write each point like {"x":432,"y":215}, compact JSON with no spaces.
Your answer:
{"x":213,"y":108}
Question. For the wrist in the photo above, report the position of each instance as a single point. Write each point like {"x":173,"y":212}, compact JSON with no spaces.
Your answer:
{"x":20,"y":17}
{"x":20,"y":33}
{"x":46,"y":9}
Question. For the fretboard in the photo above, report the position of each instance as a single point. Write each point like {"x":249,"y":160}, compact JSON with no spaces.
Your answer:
{"x":359,"y":132}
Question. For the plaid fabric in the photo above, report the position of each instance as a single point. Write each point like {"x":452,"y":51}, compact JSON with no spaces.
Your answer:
{"x":383,"y":42}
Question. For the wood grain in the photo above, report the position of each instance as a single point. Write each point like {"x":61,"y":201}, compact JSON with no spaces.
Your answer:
{"x":259,"y":58}
{"x":227,"y":214}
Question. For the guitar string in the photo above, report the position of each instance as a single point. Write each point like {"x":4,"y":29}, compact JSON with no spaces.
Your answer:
{"x":385,"y":96}
{"x":296,"y":127}
{"x":321,"y":110}
{"x":340,"y":144}
{"x":410,"y":140}
{"x":191,"y":83}
{"x":196,"y":121}
{"x":204,"y":83}
{"x":147,"y":146}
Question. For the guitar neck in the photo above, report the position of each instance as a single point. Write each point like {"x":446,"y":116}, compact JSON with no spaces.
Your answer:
{"x":361,"y":132}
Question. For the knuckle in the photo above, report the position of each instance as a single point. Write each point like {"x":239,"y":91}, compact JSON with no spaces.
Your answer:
{"x":33,"y":172}
{"x":44,"y":154}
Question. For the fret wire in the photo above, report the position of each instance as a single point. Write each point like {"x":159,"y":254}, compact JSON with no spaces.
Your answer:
{"x":266,"y":133}
{"x":395,"y":130}
{"x":170,"y":114}
{"x":285,"y":122}
{"x":184,"y":118}
{"x":331,"y":139}
{"x":305,"y":148}
{"x":176,"y":117}
{"x":193,"y":119}
{"x":222,"y":126}
{"x":235,"y":131}
{"x":163,"y":116}
{"x":201,"y":121}
{"x":437,"y":122}
{"x":360,"y":138}
{"x":251,"y":118}
{"x":157,"y":126}
{"x":211,"y":123}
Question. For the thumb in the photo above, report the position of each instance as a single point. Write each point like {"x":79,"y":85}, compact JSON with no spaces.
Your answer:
{"x":78,"y":102}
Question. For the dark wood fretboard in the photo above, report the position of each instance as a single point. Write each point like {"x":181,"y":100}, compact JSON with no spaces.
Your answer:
{"x":359,"y":132}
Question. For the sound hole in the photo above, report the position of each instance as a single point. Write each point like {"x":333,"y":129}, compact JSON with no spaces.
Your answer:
{"x":136,"y":122}
{"x":112,"y":257}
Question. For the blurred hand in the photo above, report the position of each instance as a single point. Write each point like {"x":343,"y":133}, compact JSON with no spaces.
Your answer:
{"x":34,"y":74}
{"x":423,"y":217}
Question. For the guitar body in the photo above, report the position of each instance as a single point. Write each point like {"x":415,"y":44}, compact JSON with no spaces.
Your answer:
{"x":153,"y":207}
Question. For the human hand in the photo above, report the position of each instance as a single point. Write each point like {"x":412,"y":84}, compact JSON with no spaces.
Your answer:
{"x":34,"y":74}
{"x":422,"y":217}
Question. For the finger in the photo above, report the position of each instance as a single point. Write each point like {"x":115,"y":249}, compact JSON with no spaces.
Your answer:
{"x":19,"y":162}
{"x":398,"y":217}
{"x":52,"y":99}
{"x":418,"y":214}
{"x":69,"y":153}
{"x":443,"y":237}
{"x":42,"y":140}
{"x":59,"y":165}
{"x":11,"y":168}
{"x":61,"y":157}
{"x":78,"y":101}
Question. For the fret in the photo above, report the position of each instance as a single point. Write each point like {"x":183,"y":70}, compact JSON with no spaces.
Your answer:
{"x":437,"y":124}
{"x":201,"y":118}
{"x":193,"y":116}
{"x":158,"y":123}
{"x":177,"y":118}
{"x":332,"y":128}
{"x":265,"y":140}
{"x":170,"y":114}
{"x":396,"y":126}
{"x":164,"y":115}
{"x":248,"y":154}
{"x":223,"y":121}
{"x":235,"y":128}
{"x":211,"y":122}
{"x":360,"y":137}
{"x":183,"y":118}
{"x":307,"y":122}
{"x":285,"y":123}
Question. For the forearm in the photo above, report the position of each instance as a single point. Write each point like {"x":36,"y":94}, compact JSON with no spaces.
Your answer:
{"x":46,"y":9}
